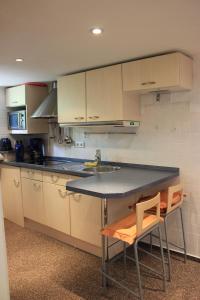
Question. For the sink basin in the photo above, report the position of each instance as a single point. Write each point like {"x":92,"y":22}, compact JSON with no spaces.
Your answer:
{"x":101,"y":169}
{"x":52,"y":162}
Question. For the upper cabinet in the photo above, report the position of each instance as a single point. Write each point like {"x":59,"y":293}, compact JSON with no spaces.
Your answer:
{"x":112,"y":93}
{"x":27,"y":97}
{"x":16,"y":96}
{"x":104,"y":94}
{"x":95,"y":96}
{"x":165,"y":72}
{"x":71,"y":98}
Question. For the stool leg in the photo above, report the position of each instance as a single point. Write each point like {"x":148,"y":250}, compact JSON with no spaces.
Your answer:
{"x":138,"y":270}
{"x":124,"y":259}
{"x":183,"y":231}
{"x":103,"y":261}
{"x":168,"y":251}
{"x":163,"y":259}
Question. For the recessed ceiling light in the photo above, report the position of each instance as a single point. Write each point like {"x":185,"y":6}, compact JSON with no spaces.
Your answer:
{"x":96,"y":30}
{"x":19,"y":59}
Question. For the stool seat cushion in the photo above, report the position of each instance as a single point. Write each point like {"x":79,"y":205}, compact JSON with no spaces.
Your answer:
{"x":125,"y":229}
{"x":164,"y":200}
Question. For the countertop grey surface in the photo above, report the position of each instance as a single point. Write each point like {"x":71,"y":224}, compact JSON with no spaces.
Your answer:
{"x":120,"y":183}
{"x":129,"y":179}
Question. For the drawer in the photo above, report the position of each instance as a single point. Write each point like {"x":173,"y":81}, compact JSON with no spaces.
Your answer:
{"x":58,"y":178}
{"x":31,"y":174}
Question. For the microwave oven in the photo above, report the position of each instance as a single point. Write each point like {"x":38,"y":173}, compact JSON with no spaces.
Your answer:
{"x":17,"y":120}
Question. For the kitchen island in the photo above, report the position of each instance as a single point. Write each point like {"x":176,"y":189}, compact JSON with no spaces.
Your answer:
{"x":63,"y":200}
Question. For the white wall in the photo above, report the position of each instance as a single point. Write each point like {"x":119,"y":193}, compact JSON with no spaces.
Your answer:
{"x":4,"y":286}
{"x":169,"y":135}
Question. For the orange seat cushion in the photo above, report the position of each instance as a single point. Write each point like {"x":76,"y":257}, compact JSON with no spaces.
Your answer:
{"x":164,"y":200}
{"x":125,"y":229}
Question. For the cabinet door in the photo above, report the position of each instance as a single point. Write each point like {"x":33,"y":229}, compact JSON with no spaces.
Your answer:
{"x":104,"y":94}
{"x":159,"y":72}
{"x":11,"y":195}
{"x":71,"y":98}
{"x":56,"y":207}
{"x":85,"y":213}
{"x":33,"y":202}
{"x":16,"y":96}
{"x":165,"y":71}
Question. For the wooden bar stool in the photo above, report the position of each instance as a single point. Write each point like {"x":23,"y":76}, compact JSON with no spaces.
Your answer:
{"x":170,"y":201}
{"x":130,"y":230}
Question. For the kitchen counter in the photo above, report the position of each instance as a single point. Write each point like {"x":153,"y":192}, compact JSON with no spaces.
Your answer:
{"x":123,"y":182}
{"x":129,"y":179}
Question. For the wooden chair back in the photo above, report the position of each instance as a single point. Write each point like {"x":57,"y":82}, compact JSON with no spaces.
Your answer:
{"x":141,"y":207}
{"x":174,"y":191}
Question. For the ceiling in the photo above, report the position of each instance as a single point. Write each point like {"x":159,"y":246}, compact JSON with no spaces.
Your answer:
{"x":53,"y":36}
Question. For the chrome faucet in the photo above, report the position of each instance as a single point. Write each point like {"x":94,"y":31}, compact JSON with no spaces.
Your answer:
{"x":98,"y":157}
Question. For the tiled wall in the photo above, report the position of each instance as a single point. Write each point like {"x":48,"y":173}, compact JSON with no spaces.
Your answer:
{"x":169,"y":135}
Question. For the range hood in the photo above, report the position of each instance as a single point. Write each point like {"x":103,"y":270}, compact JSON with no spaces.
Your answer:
{"x":107,"y":124}
{"x":48,"y":107}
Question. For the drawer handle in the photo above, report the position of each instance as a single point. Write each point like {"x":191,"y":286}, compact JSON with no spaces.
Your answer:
{"x":149,"y":82}
{"x":36,"y":186}
{"x":16,"y":182}
{"x":31,"y":173}
{"x":76,"y":196}
{"x":79,"y":118}
{"x":54,"y":178}
{"x":63,"y":194}
{"x":94,"y":117}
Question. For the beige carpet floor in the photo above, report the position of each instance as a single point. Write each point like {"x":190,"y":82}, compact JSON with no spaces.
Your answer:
{"x":41,"y":268}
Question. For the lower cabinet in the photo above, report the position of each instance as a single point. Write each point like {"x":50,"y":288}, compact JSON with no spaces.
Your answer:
{"x":85,"y":214}
{"x":11,"y":195}
{"x":33,"y":201}
{"x":56,"y":203}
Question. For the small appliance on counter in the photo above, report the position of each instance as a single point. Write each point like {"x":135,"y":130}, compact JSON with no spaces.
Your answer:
{"x":19,"y":151}
{"x":36,"y":151}
{"x":5,"y":144}
{"x":6,"y":151}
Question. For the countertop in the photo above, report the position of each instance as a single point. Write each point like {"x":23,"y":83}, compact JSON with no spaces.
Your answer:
{"x":129,"y":179}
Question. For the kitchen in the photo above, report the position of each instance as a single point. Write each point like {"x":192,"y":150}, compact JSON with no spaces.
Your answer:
{"x":127,"y":127}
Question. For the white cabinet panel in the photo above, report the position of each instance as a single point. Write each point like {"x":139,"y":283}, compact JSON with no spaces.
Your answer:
{"x":56,"y":207}
{"x":11,"y":194}
{"x":71,"y":98}
{"x":86,"y":218}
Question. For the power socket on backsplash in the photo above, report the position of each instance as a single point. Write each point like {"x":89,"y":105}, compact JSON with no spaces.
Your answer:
{"x":79,"y":144}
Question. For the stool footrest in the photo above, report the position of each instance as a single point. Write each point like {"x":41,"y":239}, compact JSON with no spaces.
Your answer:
{"x":120,"y":284}
{"x":143,"y":265}
{"x":170,"y":243}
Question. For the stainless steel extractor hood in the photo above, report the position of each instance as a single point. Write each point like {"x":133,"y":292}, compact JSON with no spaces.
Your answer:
{"x":48,"y":107}
{"x":117,"y":123}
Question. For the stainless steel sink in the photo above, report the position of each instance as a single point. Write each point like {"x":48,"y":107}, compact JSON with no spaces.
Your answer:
{"x":52,"y":163}
{"x":101,"y":169}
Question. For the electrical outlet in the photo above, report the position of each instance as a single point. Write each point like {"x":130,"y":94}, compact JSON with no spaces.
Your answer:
{"x":79,"y":144}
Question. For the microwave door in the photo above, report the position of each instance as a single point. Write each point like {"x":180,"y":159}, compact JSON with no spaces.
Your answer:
{"x":13,"y":121}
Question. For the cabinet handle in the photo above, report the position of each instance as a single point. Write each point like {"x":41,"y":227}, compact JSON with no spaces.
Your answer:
{"x":94,"y":117}
{"x":149,"y":82}
{"x":36,"y":186}
{"x":62,"y":194}
{"x":76,"y":196}
{"x":79,"y":118}
{"x":31,"y":173}
{"x":16,"y":182}
{"x":54,"y":178}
